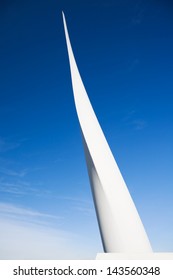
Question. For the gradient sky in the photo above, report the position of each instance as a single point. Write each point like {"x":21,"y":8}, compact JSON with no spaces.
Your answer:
{"x":124,"y":53}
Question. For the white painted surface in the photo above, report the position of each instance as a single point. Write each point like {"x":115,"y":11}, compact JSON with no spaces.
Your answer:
{"x":135,"y":256}
{"x":120,"y":225}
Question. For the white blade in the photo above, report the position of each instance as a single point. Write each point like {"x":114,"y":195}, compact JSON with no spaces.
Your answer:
{"x":120,"y":225}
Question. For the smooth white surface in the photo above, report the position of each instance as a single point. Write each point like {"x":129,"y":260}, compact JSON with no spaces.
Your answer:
{"x":120,"y":225}
{"x":137,"y":256}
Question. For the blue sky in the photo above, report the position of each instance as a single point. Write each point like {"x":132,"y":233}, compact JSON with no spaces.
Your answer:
{"x":124,"y":53}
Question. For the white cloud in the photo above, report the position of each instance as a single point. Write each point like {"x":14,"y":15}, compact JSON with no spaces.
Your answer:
{"x":18,"y":212}
{"x":6,"y":145}
{"x":139,"y":124}
{"x":15,"y":188}
{"x":24,"y":241}
{"x":10,"y":172}
{"x":23,"y":237}
{"x":132,"y":120}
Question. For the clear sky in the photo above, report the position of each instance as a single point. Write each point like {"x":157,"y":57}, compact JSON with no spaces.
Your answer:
{"x":124,"y":53}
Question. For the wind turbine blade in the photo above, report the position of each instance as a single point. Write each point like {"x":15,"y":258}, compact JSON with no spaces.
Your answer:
{"x":119,"y":222}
